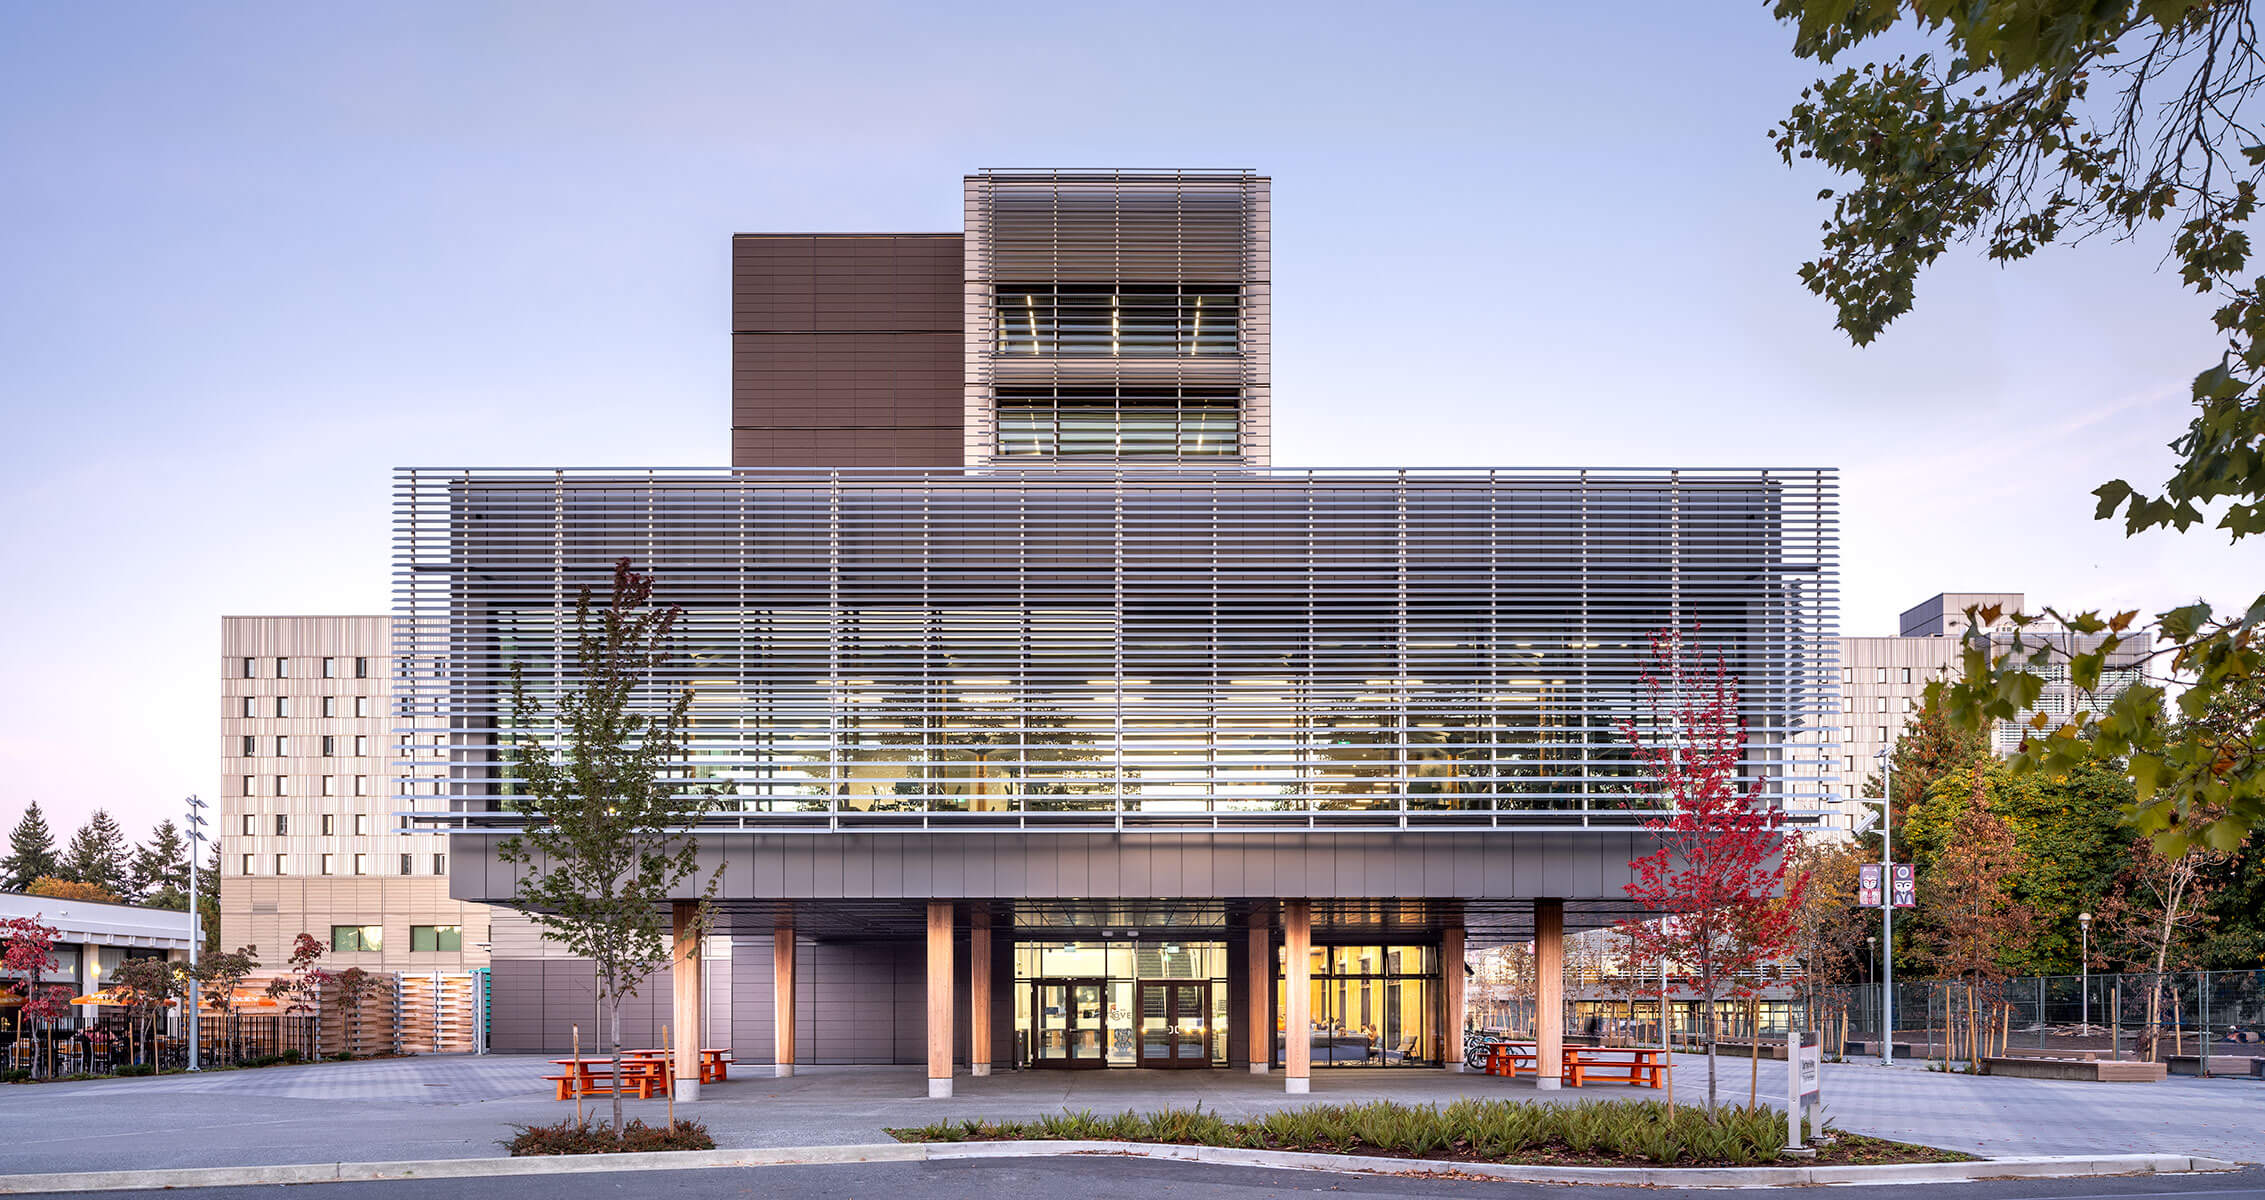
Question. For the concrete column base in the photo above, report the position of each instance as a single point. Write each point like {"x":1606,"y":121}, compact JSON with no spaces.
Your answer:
{"x":1258,"y":1068}
{"x":980,"y":1070}
{"x":1457,"y":1068}
{"x":687,"y":1090}
{"x":782,"y":1070}
{"x":1297,"y":1085}
{"x":1543,"y":1083}
{"x":940,"y":1089}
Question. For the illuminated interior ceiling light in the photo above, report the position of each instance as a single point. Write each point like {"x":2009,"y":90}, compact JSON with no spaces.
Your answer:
{"x":1260,"y":682}
{"x":1512,"y":698}
{"x":986,"y":698}
{"x":1116,"y":326}
{"x":845,"y":683}
{"x":1393,"y":682}
{"x":983,"y":683}
{"x":1195,"y":340}
{"x":1030,"y":311}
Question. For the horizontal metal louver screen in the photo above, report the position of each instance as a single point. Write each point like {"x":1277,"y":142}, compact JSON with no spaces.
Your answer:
{"x":1134,"y":647}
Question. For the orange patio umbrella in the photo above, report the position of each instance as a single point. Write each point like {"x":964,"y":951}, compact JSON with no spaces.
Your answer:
{"x":106,"y":996}
{"x":245,"y":998}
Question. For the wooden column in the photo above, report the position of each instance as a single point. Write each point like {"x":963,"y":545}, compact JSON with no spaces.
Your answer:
{"x":1297,"y":984}
{"x":1261,"y":1005}
{"x":684,"y":986}
{"x":1549,"y":992}
{"x":1451,"y":994}
{"x":979,"y":994}
{"x":782,"y":995}
{"x":939,"y":1000}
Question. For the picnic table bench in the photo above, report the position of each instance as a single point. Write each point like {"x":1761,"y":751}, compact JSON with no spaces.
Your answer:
{"x":1633,"y":1065}
{"x":1509,"y":1058}
{"x":594,"y":1076}
{"x":714,"y":1064}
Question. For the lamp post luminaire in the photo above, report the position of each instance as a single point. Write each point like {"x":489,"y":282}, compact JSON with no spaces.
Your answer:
{"x":1887,"y":908}
{"x":2084,"y":966}
{"x":196,"y":931}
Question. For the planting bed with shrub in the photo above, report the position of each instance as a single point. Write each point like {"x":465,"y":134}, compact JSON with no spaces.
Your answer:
{"x":592,"y":1136}
{"x":1604,"y":1133}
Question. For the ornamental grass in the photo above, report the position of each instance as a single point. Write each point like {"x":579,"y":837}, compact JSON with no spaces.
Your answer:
{"x":1597,"y":1131}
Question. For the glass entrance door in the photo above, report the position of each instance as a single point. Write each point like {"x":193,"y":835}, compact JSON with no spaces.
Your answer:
{"x":1069,"y":1015}
{"x":1175,"y":1023}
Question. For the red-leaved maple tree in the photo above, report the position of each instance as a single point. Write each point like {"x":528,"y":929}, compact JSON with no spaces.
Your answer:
{"x":1719,"y":883}
{"x":27,"y":952}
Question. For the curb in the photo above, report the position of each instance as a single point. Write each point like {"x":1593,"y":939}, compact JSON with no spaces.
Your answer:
{"x":2029,"y":1167}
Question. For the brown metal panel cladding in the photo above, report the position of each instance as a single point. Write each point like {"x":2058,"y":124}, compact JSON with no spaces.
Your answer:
{"x":846,"y":350}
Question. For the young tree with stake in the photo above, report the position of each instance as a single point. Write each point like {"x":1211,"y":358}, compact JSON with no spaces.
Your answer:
{"x":598,"y":775}
{"x":1720,"y":881}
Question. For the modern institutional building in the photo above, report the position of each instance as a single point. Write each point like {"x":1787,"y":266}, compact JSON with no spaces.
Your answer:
{"x":1884,"y":679}
{"x":308,"y":839}
{"x":1059,"y":729}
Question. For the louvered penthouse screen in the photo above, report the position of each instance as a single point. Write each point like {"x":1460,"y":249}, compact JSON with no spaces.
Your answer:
{"x":1099,"y":301}
{"x":1134,"y":648}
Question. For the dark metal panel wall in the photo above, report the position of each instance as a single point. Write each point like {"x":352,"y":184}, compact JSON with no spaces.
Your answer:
{"x":846,"y":350}
{"x":538,"y":1002}
{"x":1570,"y":866}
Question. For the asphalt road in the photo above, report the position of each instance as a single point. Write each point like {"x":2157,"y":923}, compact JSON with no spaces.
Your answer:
{"x":1138,"y":1179}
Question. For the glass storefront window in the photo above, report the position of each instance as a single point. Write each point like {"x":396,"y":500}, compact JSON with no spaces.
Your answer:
{"x":1082,"y":1004}
{"x":1372,"y":1005}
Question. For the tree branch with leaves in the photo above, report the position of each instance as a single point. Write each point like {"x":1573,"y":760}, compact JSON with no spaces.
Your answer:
{"x":2037,"y":122}
{"x":598,"y":772}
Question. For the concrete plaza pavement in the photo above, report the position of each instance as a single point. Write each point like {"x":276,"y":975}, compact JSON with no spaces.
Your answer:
{"x":461,"y":1107}
{"x":1145,"y":1179}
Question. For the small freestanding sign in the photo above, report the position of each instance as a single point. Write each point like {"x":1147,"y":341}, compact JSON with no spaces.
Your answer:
{"x":1804,"y":1089}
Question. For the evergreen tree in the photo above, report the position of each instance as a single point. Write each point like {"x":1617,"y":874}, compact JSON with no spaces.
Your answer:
{"x":97,"y":854}
{"x":160,"y":876}
{"x":31,"y":851}
{"x":208,"y":900}
{"x":1928,"y":748}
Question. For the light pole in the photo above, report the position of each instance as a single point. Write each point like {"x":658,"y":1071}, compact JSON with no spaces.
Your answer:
{"x":2084,"y":966}
{"x":1887,"y":908}
{"x":1873,"y":963}
{"x":196,"y":930}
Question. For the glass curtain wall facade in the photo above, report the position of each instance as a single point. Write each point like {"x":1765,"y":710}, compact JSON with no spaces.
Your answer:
{"x":1115,"y":650}
{"x":1121,"y":1004}
{"x":1375,"y":1005}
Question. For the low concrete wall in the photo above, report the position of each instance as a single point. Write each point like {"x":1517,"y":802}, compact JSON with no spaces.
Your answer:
{"x":2221,"y":1065}
{"x":2088,"y":1069}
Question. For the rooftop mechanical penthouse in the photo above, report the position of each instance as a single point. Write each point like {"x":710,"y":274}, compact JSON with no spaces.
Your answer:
{"x":1103,"y":743}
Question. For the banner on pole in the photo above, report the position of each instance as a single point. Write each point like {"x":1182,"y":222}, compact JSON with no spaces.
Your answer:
{"x":1868,"y":885}
{"x":1903,"y":886}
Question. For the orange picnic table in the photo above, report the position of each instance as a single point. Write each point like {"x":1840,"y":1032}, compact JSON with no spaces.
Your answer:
{"x":594,"y":1076}
{"x":1636,"y":1065}
{"x":1509,"y":1058}
{"x":714,"y":1064}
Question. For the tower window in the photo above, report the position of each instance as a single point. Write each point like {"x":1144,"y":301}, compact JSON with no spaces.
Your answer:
{"x":1151,"y":422}
{"x":1117,"y":320}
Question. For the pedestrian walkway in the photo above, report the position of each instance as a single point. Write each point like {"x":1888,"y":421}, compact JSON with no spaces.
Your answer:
{"x":461,"y":1107}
